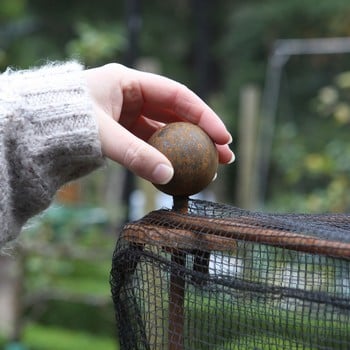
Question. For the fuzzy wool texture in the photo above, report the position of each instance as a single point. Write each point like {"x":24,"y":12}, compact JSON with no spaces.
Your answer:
{"x":48,"y":137}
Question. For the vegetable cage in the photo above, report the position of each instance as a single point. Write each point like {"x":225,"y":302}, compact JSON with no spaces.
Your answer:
{"x":205,"y":275}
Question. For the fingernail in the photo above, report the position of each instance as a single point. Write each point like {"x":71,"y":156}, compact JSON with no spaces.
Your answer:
{"x":230,"y":140}
{"x":162,"y":174}
{"x":214,"y":178}
{"x":233,"y":157}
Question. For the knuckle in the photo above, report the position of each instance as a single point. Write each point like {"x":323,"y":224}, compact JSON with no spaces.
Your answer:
{"x":113,"y":67}
{"x":135,"y":156}
{"x":132,"y":90}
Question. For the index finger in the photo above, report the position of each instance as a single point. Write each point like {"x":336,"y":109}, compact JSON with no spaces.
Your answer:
{"x":164,"y":93}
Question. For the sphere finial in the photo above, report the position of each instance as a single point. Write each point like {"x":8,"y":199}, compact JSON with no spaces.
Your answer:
{"x":192,"y":154}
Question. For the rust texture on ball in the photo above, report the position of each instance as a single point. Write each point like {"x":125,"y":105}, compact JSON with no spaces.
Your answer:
{"x":192,"y":154}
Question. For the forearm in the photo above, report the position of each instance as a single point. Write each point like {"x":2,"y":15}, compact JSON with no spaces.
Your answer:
{"x":49,"y":137}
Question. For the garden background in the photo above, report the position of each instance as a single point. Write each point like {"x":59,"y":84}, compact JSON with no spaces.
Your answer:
{"x":54,"y":291}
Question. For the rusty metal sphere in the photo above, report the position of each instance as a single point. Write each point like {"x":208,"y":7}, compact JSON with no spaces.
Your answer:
{"x":192,"y":154}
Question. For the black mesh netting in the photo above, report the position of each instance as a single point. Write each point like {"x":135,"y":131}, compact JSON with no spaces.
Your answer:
{"x":219,"y":277}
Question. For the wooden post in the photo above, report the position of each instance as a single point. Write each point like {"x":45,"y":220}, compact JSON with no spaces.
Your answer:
{"x":10,"y":296}
{"x":246,"y":148}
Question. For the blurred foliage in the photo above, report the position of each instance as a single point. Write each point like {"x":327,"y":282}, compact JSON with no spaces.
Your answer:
{"x":311,"y":153}
{"x":254,"y":27}
{"x":96,"y":43}
{"x":66,"y":257}
{"x":309,"y":168}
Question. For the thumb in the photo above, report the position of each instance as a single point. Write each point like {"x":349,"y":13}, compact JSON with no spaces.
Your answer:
{"x":122,"y":146}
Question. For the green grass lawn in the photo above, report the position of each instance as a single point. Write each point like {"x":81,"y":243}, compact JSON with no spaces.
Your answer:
{"x":37,"y":337}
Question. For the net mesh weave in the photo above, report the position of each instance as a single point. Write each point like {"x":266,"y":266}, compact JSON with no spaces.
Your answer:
{"x":219,"y":277}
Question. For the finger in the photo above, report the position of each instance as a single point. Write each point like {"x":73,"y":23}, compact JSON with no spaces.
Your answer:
{"x":226,"y":156}
{"x":171,"y":95}
{"x":135,"y":154}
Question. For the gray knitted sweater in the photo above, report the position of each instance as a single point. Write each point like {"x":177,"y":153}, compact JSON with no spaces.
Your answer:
{"x":48,"y":136}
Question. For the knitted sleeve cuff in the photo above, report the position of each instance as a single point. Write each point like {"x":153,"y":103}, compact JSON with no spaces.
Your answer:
{"x":52,"y":137}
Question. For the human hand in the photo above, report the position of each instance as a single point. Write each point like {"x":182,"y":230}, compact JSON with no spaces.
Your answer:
{"x":131,"y":105}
